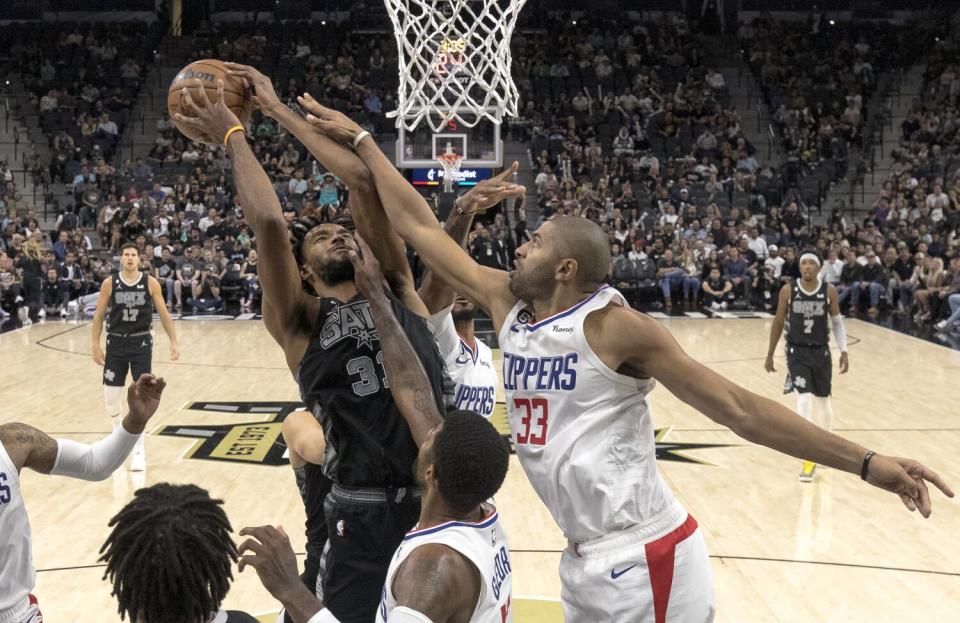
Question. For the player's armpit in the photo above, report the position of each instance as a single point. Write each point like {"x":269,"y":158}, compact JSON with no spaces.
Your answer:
{"x":438,"y":582}
{"x":28,"y":447}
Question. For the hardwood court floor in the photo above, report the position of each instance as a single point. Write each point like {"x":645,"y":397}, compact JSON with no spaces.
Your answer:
{"x":836,"y":550}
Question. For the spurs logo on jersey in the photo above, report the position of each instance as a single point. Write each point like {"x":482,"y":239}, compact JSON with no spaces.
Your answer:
{"x":807,"y":325}
{"x":131,"y":308}
{"x":471,"y":369}
{"x":582,"y":431}
{"x":484,"y":544}
{"x":352,"y":320}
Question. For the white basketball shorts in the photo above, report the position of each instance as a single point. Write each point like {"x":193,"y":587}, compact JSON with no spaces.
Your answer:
{"x":635,"y":577}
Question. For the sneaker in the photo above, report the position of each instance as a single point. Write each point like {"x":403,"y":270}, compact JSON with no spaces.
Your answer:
{"x":723,"y":305}
{"x":715,"y":306}
{"x":63,"y":313}
{"x":940,"y":326}
{"x":138,"y":462}
{"x":873,"y":311}
{"x":42,"y":314}
{"x":806,"y":474}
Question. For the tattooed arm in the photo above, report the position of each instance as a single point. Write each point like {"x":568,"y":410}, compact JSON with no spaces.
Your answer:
{"x":408,"y":380}
{"x":28,"y":447}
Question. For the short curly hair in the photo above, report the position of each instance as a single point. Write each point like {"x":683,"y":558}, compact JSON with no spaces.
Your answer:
{"x":470,"y":460}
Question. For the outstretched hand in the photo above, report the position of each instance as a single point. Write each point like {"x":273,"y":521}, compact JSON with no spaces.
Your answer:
{"x":333,"y":123}
{"x":143,"y":397}
{"x":908,"y":479}
{"x":366,"y":271}
{"x":269,"y":552}
{"x":491,"y":192}
{"x":212,"y":119}
{"x":265,"y":97}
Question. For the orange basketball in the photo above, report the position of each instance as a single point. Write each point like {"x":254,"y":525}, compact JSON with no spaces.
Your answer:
{"x":208,"y":71}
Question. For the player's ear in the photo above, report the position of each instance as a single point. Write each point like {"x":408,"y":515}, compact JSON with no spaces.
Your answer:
{"x":566,"y":271}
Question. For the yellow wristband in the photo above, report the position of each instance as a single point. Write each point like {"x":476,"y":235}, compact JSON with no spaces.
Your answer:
{"x":236,"y":128}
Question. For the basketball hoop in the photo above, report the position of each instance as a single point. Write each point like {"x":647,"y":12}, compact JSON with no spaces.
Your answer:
{"x":454,"y":59}
{"x":451,"y":167}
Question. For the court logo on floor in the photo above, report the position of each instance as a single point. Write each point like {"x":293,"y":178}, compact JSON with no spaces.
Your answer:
{"x":255,"y":442}
{"x":260,"y":442}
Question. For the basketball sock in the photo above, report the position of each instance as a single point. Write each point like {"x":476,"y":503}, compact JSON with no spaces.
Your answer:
{"x":804,"y":405}
{"x":112,"y":400}
{"x":823,"y":412}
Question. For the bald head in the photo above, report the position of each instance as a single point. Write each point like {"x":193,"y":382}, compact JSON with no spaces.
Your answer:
{"x":583,"y":241}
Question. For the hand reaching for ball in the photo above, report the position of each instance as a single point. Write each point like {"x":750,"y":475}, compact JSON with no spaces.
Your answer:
{"x":212,"y":119}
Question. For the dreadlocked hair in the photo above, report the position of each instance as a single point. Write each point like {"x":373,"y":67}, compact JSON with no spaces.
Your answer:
{"x":169,"y":555}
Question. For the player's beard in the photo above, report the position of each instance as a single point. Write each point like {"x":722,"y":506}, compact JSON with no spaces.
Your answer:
{"x":463,"y":313}
{"x":532,"y":283}
{"x":336,"y":271}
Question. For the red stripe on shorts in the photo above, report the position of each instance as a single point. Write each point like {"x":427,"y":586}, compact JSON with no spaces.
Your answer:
{"x":660,"y":565}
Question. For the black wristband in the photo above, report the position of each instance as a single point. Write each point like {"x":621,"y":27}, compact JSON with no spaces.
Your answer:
{"x":866,"y":465}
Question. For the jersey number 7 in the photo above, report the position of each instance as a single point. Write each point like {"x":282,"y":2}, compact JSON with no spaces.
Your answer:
{"x":533,"y":421}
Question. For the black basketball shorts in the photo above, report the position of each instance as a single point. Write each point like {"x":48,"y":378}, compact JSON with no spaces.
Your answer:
{"x":134,"y":353}
{"x":809,"y":370}
{"x":364,"y":535}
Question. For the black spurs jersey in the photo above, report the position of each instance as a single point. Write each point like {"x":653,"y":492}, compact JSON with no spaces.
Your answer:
{"x":807,"y":316}
{"x":130,"y":309}
{"x":341,"y":379}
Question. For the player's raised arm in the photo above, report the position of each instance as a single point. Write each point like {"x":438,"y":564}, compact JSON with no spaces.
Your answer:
{"x":409,"y":384}
{"x":436,"y":293}
{"x":365,"y":206}
{"x":415,"y":222}
{"x":32,"y":448}
{"x":631,"y":341}
{"x":279,"y":276}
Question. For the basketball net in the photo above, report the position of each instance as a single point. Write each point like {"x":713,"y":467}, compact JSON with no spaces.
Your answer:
{"x":451,"y":169}
{"x":454,"y":61}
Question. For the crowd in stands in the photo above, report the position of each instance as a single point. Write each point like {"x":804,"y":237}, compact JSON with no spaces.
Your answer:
{"x":676,"y":235}
{"x":632,"y":129}
{"x":83,"y":80}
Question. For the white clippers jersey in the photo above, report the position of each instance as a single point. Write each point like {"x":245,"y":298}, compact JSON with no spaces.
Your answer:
{"x":582,"y":431}
{"x":17,"y":576}
{"x":473,"y":372}
{"x":484,"y":544}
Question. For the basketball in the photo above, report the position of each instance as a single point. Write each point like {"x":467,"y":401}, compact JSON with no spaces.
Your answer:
{"x":208,"y":71}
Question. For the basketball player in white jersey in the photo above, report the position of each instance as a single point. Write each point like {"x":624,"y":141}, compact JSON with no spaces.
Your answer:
{"x":23,"y":446}
{"x":127,"y":302}
{"x":805,"y":304}
{"x":469,"y":361}
{"x":454,"y":566}
{"x":578,"y":364}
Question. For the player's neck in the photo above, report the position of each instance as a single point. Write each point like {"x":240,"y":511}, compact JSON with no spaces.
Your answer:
{"x":128,"y":275}
{"x":810,"y":285}
{"x":561,"y":300}
{"x":434,"y":512}
{"x":466,"y":332}
{"x":343,"y":291}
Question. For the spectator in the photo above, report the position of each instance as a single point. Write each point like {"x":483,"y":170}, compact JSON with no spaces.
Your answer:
{"x":52,"y":298}
{"x":874,"y":281}
{"x":717,"y":290}
{"x":670,"y":275}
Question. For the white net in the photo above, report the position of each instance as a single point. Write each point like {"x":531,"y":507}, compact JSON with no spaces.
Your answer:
{"x":454,"y":59}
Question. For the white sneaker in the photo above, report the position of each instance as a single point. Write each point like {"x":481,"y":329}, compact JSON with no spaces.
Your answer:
{"x":723,"y":305}
{"x":64,"y":313}
{"x":940,"y":326}
{"x":138,"y":462}
{"x":42,"y":314}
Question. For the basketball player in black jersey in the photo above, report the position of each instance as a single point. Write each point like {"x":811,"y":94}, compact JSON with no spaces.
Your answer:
{"x":332,"y":347}
{"x":803,"y":307}
{"x":127,"y":301}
